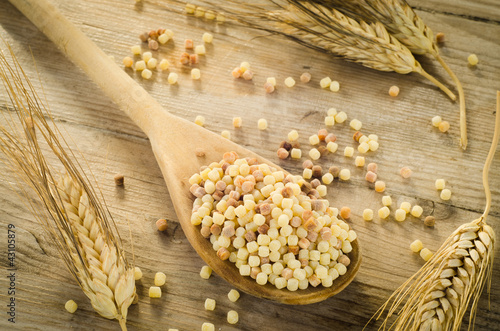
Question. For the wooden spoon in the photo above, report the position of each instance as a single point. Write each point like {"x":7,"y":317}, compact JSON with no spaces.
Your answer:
{"x":173,"y":141}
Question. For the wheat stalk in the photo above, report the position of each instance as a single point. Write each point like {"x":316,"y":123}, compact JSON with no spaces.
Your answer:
{"x":326,"y":29}
{"x":440,"y":293}
{"x":405,"y":25}
{"x":69,"y":210}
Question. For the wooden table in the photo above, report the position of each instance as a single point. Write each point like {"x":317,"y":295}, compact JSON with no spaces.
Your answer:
{"x":111,"y":144}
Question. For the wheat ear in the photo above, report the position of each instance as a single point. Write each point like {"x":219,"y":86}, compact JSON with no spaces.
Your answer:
{"x":368,"y":44}
{"x":405,"y":25}
{"x":328,"y":30}
{"x":451,"y":282}
{"x":68,"y":209}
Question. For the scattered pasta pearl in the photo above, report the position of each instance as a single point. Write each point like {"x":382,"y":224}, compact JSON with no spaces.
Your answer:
{"x":473,"y":59}
{"x":237,"y":72}
{"x":406,"y":206}
{"x":334,"y":86}
{"x":163,"y":38}
{"x":440,"y":184}
{"x":247,"y":75}
{"x":262,"y":124}
{"x":356,"y":124}
{"x":207,"y":37}
{"x":146,"y":74}
{"x":200,"y":50}
{"x":436,"y":120}
{"x":314,"y":139}
{"x":237,"y":121}
{"x":345,"y":174}
{"x":293,"y":135}
{"x":416,"y":246}
{"x":136,"y":49}
{"x":209,"y":304}
{"x":200,"y":120}
{"x":364,"y":139}
{"x":426,"y":254}
{"x":394,"y":91}
{"x":164,"y":64}
{"x":444,"y":126}
{"x":140,"y":65}
{"x":233,"y":295}
{"x":368,"y":214}
{"x":405,"y":172}
{"x":153,"y":45}
{"x":359,"y":161}
{"x":371,"y":177}
{"x":161,"y":224}
{"x":172,"y":78}
{"x":372,"y":167}
{"x":271,"y":80}
{"x":289,"y":82}
{"x":417,"y":211}
{"x":268,"y":87}
{"x":314,"y":154}
{"x":341,"y":117}
{"x":207,"y":327}
{"x":384,"y":212}
{"x":226,"y":134}
{"x":305,"y":77}
{"x":325,"y":82}
{"x":400,"y":215}
{"x":155,"y":292}
{"x":373,"y":145}
{"x":363,"y":147}
{"x":146,"y":56}
{"x":169,"y":33}
{"x":327,"y":178}
{"x":345,"y":212}
{"x":307,"y":164}
{"x":440,"y":37}
{"x":137,"y":273}
{"x":348,"y":151}
{"x":232,"y":316}
{"x":152,"y":63}
{"x":282,"y":153}
{"x":329,"y":120}
{"x":71,"y":306}
{"x":379,"y":186}
{"x":386,"y":200}
{"x":429,"y":221}
{"x":128,"y":62}
{"x":445,"y":194}
{"x":205,"y":272}
{"x":160,"y":279}
{"x":332,"y":147}
{"x":296,"y":153}
{"x":195,"y":73}
{"x":322,"y":133}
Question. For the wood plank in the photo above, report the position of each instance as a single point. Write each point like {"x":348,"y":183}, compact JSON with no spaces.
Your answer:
{"x":111,"y":143}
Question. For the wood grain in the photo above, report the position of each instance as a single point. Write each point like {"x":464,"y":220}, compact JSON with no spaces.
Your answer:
{"x":112,"y":143}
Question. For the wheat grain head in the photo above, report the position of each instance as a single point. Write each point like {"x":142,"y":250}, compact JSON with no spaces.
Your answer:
{"x":451,"y":282}
{"x":326,"y":29}
{"x":68,"y":208}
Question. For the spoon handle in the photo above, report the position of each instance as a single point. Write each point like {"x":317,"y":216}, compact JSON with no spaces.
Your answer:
{"x":116,"y":84}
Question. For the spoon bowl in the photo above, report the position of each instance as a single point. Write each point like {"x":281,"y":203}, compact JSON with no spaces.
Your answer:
{"x":173,"y":141}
